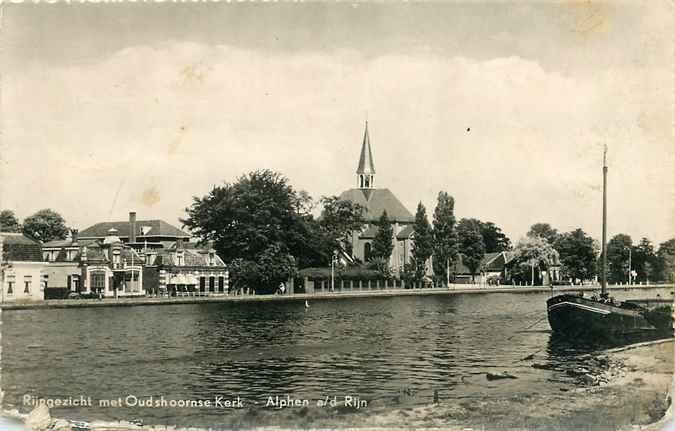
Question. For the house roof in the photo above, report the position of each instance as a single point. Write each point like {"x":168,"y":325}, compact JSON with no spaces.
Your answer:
{"x":406,"y":232}
{"x":366,"y":164}
{"x":19,"y":248}
{"x":370,"y":232}
{"x":192,"y":257}
{"x":157,"y":228}
{"x":375,"y":201}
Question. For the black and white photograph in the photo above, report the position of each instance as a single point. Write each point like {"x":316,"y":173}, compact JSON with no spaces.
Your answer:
{"x":337,"y":215}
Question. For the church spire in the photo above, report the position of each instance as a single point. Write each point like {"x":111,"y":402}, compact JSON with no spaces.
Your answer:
{"x":366,"y":169}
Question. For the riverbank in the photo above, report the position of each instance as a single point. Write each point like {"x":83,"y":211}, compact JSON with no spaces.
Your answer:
{"x":631,"y":392}
{"x":453,"y":290}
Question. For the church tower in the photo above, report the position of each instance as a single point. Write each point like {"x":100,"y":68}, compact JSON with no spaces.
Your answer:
{"x":365,"y":173}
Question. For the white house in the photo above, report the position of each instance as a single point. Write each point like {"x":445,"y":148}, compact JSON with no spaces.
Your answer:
{"x":21,"y":268}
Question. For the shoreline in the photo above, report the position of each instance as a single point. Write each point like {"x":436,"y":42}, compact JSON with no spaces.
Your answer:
{"x":144,"y":301}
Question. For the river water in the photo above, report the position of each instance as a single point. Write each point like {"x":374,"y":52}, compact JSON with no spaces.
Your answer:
{"x":387,"y":351}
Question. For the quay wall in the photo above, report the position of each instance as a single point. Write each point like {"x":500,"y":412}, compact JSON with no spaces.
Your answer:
{"x":301,"y":297}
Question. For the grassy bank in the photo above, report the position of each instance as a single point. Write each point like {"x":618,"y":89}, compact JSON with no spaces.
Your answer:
{"x":453,"y":290}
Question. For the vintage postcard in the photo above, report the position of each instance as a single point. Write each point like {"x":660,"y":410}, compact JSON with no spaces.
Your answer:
{"x":337,"y":215}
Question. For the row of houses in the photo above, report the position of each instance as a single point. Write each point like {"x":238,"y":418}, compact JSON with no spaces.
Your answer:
{"x":111,"y":259}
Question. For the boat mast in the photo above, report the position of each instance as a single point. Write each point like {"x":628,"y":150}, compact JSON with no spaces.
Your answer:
{"x":603,"y":292}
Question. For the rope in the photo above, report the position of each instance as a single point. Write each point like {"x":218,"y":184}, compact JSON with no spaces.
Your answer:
{"x":525,"y":329}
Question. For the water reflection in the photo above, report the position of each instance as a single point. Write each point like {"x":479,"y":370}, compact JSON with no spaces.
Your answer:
{"x":375,"y":348}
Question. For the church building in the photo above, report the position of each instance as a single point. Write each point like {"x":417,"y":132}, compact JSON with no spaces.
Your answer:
{"x":375,"y":201}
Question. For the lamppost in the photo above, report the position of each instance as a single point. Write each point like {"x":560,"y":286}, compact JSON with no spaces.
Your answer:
{"x":333,"y":261}
{"x":630,"y":272}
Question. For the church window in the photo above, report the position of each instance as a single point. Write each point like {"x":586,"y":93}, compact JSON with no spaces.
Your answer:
{"x":367,"y":251}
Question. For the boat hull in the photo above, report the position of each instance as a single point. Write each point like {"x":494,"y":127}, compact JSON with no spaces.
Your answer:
{"x":575,"y":316}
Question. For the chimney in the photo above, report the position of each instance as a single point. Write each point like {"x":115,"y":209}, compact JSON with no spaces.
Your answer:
{"x":132,"y":227}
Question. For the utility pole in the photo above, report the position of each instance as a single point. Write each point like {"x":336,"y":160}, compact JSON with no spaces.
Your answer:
{"x":630,"y":272}
{"x":332,"y":272}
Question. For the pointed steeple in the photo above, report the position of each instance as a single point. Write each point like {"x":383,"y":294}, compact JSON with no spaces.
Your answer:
{"x":366,"y":165}
{"x":365,"y":173}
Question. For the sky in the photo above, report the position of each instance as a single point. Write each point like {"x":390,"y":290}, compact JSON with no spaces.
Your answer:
{"x":111,"y":108}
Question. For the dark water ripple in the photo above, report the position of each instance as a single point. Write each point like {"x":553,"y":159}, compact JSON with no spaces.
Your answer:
{"x":373,"y":348}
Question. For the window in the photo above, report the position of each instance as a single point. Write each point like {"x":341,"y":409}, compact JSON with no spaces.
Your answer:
{"x":221,"y":284}
{"x":180,"y":258}
{"x":367,"y":249}
{"x":212,"y":258}
{"x":97,"y":281}
{"x":10,"y":288}
{"x":116,"y":259}
{"x":27,"y":281}
{"x":212,"y":284}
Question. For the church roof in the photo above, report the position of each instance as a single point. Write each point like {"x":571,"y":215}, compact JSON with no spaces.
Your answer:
{"x":375,"y":201}
{"x":366,"y":165}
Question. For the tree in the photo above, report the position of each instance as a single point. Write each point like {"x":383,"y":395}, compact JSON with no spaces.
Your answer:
{"x":445,"y":236}
{"x":543,"y":230}
{"x":45,"y":225}
{"x":423,"y":242}
{"x":617,"y":257}
{"x":9,"y":222}
{"x":578,"y":255}
{"x":532,"y":255}
{"x":665,"y":262}
{"x":259,"y":219}
{"x":471,"y":245}
{"x":493,"y":238}
{"x":339,"y":219}
{"x":383,"y":244}
{"x":644,"y":260}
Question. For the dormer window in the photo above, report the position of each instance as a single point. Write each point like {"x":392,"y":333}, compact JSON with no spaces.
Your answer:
{"x":212,"y":258}
{"x":116,"y":259}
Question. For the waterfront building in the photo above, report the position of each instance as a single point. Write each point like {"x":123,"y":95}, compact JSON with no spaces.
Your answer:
{"x":62,"y":272}
{"x":186,"y":269}
{"x":375,"y":201}
{"x":159,"y":260}
{"x":106,"y":267}
{"x":493,"y":269}
{"x":138,"y":234}
{"x":21,"y":268}
{"x":497,"y":267}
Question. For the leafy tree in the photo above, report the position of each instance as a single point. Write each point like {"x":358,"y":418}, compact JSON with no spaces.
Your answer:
{"x":423,"y":242}
{"x":532,"y":253}
{"x":383,"y":245}
{"x":340,"y":218}
{"x":445,"y":236}
{"x":617,"y":257}
{"x":578,"y":255}
{"x":471,"y":245}
{"x":9,"y":222}
{"x":494,"y":239}
{"x":257,"y":219}
{"x":665,"y":262}
{"x":45,"y":225}
{"x":644,"y":260}
{"x":543,"y":230}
